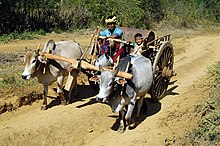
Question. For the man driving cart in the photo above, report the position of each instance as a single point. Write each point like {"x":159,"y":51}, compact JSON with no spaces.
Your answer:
{"x":109,"y":51}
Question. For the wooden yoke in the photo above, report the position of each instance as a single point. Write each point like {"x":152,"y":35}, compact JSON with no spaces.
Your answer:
{"x":83,"y":64}
{"x":123,"y":84}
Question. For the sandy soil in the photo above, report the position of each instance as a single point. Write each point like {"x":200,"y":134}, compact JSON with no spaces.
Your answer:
{"x":85,"y":122}
{"x":19,"y":45}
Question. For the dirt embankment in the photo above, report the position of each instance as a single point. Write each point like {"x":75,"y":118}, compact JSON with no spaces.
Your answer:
{"x":85,"y":122}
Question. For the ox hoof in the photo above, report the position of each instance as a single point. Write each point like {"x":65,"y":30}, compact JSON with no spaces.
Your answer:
{"x":128,"y":122}
{"x":63,"y":102}
{"x":132,"y":125}
{"x":120,"y":130}
{"x":43,"y":107}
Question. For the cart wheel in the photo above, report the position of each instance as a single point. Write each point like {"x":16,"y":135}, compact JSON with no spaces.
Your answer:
{"x":162,"y":70}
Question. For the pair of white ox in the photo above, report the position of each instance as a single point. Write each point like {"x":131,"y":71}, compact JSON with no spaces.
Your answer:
{"x":137,"y":87}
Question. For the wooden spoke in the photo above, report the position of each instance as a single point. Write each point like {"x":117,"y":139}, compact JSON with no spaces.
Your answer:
{"x":158,"y":80}
{"x":159,"y":87}
{"x":164,"y":58}
{"x":167,"y":56}
{"x":160,"y":65}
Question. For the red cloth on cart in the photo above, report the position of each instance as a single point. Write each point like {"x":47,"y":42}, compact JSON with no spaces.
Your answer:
{"x":118,"y":51}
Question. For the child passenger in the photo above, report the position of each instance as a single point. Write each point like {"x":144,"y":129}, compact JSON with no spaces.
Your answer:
{"x":138,"y":44}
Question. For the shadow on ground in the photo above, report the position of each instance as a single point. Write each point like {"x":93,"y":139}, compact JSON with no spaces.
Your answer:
{"x":170,"y":91}
{"x":83,"y":92}
{"x":148,"y":109}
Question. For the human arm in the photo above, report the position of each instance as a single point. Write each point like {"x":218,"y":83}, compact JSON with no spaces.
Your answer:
{"x":117,"y":34}
{"x":114,"y":36}
{"x":102,"y":33}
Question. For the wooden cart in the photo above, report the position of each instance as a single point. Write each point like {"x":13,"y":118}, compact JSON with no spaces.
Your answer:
{"x":158,"y":49}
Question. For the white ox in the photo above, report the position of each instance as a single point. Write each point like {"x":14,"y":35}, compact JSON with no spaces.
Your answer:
{"x":50,"y":71}
{"x":138,"y":86}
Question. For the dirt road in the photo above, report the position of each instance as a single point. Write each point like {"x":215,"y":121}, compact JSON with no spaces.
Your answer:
{"x":85,"y":122}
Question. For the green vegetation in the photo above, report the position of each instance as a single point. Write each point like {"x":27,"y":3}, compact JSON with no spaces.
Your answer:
{"x":11,"y":78}
{"x":11,"y":83}
{"x":14,"y":91}
{"x":208,"y":131}
{"x":192,"y":13}
{"x":5,"y":38}
{"x":62,"y":15}
{"x":11,"y":69}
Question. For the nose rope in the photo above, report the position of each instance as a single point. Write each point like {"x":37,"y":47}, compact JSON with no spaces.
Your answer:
{"x":112,"y":95}
{"x":38,"y":67}
{"x":40,"y":63}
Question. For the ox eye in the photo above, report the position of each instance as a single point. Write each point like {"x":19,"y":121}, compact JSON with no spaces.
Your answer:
{"x":34,"y":61}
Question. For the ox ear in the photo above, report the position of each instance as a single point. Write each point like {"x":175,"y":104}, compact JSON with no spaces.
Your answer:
{"x":115,"y":71}
{"x":120,"y":81}
{"x":101,"y":69}
{"x":95,"y":78}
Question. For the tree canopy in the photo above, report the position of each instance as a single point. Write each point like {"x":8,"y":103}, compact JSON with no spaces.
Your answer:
{"x":32,"y":15}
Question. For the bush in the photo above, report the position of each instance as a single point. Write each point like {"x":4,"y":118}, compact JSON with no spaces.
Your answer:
{"x":41,"y":32}
{"x":191,"y":13}
{"x":57,"y":30}
{"x":5,"y":38}
{"x":62,"y":15}
{"x":208,"y":131}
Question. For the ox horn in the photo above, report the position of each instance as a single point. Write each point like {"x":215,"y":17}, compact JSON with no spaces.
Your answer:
{"x":38,"y":48}
{"x":115,"y":71}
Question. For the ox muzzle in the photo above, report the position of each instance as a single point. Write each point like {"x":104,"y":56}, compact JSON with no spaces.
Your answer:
{"x":26,"y":77}
{"x":101,"y":99}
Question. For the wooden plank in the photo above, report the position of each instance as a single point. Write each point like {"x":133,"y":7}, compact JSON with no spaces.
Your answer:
{"x":91,"y":41}
{"x":84,"y":65}
{"x":69,"y":82}
{"x":95,"y":47}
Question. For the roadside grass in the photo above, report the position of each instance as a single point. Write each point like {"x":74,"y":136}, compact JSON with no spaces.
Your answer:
{"x":12,"y":78}
{"x":11,"y":82}
{"x":14,"y":91}
{"x":6,"y":38}
{"x":208,"y":131}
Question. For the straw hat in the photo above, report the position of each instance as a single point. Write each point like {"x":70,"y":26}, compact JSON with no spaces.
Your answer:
{"x":111,"y":20}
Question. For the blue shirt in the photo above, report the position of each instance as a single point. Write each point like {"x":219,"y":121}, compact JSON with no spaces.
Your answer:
{"x":107,"y":33}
